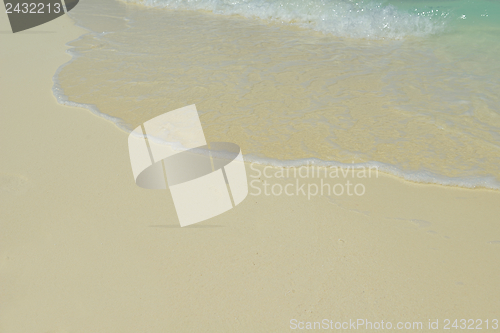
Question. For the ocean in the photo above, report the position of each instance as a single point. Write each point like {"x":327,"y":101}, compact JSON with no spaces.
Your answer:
{"x":411,"y":87}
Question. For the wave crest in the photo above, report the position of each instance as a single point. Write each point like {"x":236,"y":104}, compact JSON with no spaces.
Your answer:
{"x":352,"y":19}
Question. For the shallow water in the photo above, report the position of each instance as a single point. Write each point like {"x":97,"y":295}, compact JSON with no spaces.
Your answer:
{"x":410,"y":86}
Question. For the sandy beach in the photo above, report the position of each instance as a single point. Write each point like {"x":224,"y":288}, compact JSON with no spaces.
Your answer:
{"x":83,"y":249}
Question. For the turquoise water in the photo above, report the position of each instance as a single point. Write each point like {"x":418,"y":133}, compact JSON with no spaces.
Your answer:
{"x":355,"y":19}
{"x":409,"y":86}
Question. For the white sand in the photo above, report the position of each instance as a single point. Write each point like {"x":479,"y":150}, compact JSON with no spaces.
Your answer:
{"x":83,"y":249}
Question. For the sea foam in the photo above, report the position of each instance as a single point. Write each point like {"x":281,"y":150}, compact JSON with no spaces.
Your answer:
{"x":352,"y":19}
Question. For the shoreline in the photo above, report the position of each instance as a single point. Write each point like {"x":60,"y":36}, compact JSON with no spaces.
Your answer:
{"x":302,"y":144}
{"x":390,"y":170}
{"x":84,"y":249}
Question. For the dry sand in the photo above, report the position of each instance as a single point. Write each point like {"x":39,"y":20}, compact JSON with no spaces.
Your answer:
{"x":83,"y":249}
